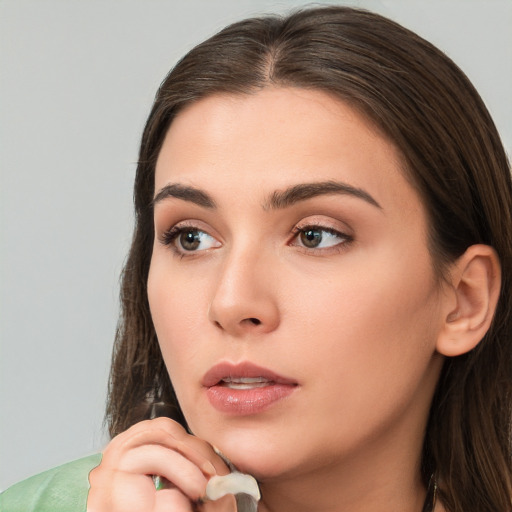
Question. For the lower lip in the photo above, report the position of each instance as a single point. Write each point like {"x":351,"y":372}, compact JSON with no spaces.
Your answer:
{"x":247,"y":401}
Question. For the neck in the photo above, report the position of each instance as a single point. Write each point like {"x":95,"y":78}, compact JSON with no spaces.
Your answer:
{"x":383,"y":476}
{"x":334,"y":490}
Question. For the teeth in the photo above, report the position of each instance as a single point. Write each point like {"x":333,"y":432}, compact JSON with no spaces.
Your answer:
{"x":233,"y":385}
{"x":245,"y":382}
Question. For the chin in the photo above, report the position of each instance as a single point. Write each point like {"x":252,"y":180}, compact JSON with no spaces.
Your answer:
{"x":261,"y":466}
{"x":259,"y":458}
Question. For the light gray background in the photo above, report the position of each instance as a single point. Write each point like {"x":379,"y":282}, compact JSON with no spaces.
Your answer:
{"x":77,"y":78}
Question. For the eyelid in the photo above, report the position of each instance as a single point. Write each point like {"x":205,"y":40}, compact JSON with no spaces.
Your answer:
{"x":346,"y":238}
{"x":164,"y":227}
{"x":169,"y":236}
{"x":325,"y":223}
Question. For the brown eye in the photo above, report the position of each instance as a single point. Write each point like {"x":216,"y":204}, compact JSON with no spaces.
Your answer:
{"x":320,"y":238}
{"x":311,"y":238}
{"x":190,"y":240}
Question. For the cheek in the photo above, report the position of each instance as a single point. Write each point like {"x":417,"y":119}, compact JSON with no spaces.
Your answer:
{"x":365,"y":357}
{"x":176,"y":315}
{"x":370,"y":330}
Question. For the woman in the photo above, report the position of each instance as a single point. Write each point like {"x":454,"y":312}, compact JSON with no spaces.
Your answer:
{"x":319,"y":280}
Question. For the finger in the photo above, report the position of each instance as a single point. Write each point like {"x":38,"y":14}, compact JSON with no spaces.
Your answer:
{"x":113,"y":491}
{"x":172,"y":499}
{"x":145,"y":427}
{"x":207,"y":451}
{"x":157,"y":460}
{"x":225,"y":504}
{"x":201,"y":446}
{"x":171,"y":434}
{"x":192,"y":449}
{"x":142,"y":432}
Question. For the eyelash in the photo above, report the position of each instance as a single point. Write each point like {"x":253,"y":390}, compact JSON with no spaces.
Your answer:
{"x":344,"y":239}
{"x":169,"y":238}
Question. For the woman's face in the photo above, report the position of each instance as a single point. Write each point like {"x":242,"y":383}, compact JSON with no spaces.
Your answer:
{"x":291,"y":287}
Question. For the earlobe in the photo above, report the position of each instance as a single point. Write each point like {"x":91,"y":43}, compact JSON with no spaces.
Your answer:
{"x":471,"y":300}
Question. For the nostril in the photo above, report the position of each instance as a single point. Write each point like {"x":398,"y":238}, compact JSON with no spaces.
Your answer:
{"x":254,"y":321}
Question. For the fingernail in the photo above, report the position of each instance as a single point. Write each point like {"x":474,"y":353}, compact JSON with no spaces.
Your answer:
{"x":209,"y":468}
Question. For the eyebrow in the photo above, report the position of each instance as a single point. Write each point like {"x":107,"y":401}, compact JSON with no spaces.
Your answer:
{"x":303,"y":191}
{"x":185,"y":193}
{"x":277,"y":200}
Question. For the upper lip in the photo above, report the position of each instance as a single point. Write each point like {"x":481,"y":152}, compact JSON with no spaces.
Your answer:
{"x":226,"y":370}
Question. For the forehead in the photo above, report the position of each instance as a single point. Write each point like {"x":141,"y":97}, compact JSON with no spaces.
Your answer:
{"x":275,"y":137}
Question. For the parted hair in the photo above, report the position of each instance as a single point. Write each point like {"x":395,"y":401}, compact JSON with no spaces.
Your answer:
{"x":452,"y":155}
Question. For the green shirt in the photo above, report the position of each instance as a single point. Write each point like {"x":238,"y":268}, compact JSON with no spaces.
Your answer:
{"x":61,"y":489}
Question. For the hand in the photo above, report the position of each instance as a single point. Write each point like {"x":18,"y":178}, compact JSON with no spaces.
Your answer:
{"x":123,"y":481}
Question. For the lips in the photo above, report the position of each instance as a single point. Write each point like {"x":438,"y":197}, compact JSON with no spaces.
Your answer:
{"x":245,"y":388}
{"x":243,"y":373}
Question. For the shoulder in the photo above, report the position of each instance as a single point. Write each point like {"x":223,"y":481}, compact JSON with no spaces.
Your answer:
{"x":61,"y":489}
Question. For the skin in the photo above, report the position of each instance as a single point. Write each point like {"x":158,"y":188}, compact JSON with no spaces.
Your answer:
{"x":355,"y":316}
{"x":122,"y":482}
{"x":354,"y":322}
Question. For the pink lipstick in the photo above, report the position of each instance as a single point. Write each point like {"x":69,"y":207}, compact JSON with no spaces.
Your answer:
{"x":245,"y":388}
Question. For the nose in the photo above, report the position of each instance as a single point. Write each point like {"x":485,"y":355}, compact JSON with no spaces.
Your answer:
{"x":244,"y":301}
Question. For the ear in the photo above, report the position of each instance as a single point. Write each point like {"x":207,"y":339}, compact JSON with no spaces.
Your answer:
{"x":475,"y":282}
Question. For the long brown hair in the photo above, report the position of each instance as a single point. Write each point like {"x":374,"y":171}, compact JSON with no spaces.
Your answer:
{"x":453,"y":155}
